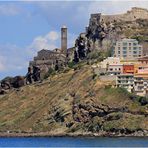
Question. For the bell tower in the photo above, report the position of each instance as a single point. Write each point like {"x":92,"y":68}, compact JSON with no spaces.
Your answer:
{"x":64,"y":39}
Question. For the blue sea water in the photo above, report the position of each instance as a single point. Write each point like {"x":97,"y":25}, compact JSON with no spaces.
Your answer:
{"x":74,"y":142}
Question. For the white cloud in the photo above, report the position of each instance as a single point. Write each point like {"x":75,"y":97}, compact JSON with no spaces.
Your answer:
{"x":53,"y":36}
{"x":9,"y":9}
{"x":48,"y":41}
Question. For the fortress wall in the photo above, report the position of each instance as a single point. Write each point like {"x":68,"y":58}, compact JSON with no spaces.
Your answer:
{"x":111,"y":18}
{"x":133,"y":14}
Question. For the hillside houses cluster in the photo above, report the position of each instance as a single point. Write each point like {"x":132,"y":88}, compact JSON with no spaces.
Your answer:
{"x":127,"y":66}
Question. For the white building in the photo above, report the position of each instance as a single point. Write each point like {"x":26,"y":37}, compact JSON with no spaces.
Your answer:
{"x":127,"y":49}
{"x":115,"y":69}
{"x":141,"y":86}
{"x":102,"y":67}
{"x":135,"y":84}
{"x":109,"y":60}
{"x":126,"y":81}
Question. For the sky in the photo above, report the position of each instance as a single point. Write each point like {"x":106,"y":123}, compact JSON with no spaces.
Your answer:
{"x":29,"y":26}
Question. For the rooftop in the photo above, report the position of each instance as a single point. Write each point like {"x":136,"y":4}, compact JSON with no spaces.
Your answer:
{"x":64,"y":26}
{"x":129,"y":40}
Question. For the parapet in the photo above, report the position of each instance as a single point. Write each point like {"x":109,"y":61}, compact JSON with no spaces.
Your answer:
{"x":95,"y":15}
{"x":130,"y":15}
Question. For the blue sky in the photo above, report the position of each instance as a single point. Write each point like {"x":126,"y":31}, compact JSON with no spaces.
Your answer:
{"x":28,"y":26}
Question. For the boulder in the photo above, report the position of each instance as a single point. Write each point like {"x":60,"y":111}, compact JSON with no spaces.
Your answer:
{"x":18,"y":81}
{"x":12,"y":82}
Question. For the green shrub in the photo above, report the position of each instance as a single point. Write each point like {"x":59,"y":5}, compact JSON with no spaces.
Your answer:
{"x":99,"y":55}
{"x":93,"y":55}
{"x":142,"y":100}
{"x":49,"y":73}
{"x":71,"y":64}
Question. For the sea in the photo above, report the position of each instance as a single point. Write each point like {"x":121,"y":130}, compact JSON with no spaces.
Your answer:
{"x":43,"y":142}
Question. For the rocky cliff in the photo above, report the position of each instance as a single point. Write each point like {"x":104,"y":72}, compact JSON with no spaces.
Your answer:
{"x":75,"y":102}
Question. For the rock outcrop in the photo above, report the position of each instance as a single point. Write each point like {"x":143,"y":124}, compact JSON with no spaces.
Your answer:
{"x":12,"y":82}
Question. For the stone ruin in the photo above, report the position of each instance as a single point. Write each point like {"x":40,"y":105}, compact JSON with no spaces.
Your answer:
{"x":46,"y":59}
{"x":131,"y":15}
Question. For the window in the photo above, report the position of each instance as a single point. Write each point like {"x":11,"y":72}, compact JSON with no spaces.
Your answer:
{"x":135,"y":48}
{"x":130,"y":44}
{"x":134,"y":52}
{"x":124,"y":48}
{"x":124,"y":52}
{"x":124,"y":44}
{"x":134,"y":44}
{"x":118,"y":52}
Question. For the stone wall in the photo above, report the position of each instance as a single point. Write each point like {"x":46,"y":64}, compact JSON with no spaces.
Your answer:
{"x":133,"y":14}
{"x":46,"y":55}
{"x":46,"y":59}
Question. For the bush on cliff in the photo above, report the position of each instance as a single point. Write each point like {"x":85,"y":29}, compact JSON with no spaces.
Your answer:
{"x":49,"y":73}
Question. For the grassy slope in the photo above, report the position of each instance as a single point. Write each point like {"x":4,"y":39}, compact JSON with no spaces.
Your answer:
{"x":70,"y":102}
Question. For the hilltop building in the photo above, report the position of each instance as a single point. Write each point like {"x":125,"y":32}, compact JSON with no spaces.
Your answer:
{"x":127,"y":49}
{"x":125,"y":81}
{"x":47,"y":58}
{"x":141,"y":86}
{"x":115,"y":69}
{"x":128,"y":69}
{"x":143,"y":60}
{"x":131,"y":15}
{"x":109,"y":60}
{"x":134,"y":78}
